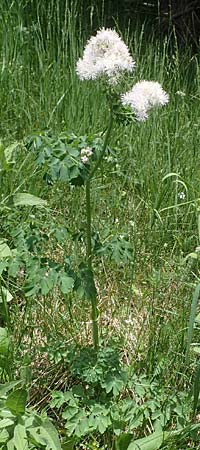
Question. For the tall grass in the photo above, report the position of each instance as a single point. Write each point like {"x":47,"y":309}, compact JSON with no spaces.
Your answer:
{"x":150,"y":166}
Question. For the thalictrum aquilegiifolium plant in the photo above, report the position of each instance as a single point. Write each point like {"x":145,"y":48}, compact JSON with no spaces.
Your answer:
{"x":106,"y":58}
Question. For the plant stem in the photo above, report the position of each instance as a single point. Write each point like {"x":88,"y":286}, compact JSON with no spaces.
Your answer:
{"x":93,"y":296}
{"x":88,"y":213}
{"x":104,"y":146}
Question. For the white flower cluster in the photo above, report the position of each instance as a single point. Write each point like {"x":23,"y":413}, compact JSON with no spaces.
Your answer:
{"x":143,"y":96}
{"x":181,"y":195}
{"x":181,"y":93}
{"x":105,"y":54}
{"x":85,"y":154}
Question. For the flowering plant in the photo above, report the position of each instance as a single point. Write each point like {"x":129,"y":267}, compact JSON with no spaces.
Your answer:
{"x":107,"y":57}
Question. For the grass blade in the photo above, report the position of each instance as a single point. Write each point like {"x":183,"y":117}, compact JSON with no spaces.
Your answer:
{"x":192,"y":318}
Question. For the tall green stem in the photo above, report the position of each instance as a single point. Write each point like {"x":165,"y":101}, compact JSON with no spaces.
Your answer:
{"x":108,"y":132}
{"x":89,"y":233}
{"x":93,"y":296}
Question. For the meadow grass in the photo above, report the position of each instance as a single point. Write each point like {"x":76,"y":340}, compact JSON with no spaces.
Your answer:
{"x":149,"y":191}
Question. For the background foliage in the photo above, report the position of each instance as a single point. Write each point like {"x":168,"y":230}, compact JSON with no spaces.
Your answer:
{"x":172,"y":17}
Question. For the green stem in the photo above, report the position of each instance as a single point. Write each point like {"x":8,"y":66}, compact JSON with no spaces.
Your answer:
{"x":93,"y":297}
{"x":89,"y":232}
{"x":104,"y":146}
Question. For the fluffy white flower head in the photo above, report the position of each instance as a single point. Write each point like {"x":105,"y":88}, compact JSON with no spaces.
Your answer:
{"x":105,"y":54}
{"x":143,"y":96}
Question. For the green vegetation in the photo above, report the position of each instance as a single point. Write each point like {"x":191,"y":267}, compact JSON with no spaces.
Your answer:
{"x":136,"y":384}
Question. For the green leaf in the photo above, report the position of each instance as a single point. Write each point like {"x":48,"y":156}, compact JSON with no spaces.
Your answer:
{"x":123,"y":441}
{"x":20,"y":437}
{"x":48,"y":282}
{"x":16,"y":401}
{"x":5,"y":251}
{"x":140,"y":390}
{"x":25,"y":199}
{"x":78,"y":424}
{"x":4,"y":341}
{"x":64,"y":173}
{"x":66,"y":283}
{"x":5,"y":293}
{"x":6,"y":387}
{"x":4,"y":436}
{"x":69,"y":444}
{"x":78,"y":390}
{"x":136,"y":420}
{"x":114,"y":384}
{"x":152,"y":442}
{"x":103,"y":422}
{"x":70,"y":412}
{"x":3,"y":266}
{"x":49,"y":433}
{"x":10,"y":444}
{"x":87,"y":284}
{"x":9,"y":152}
{"x":36,"y":438}
{"x":73,"y":152}
{"x":45,"y":435}
{"x":118,"y":248}
{"x":6,"y":423}
{"x":58,"y":399}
